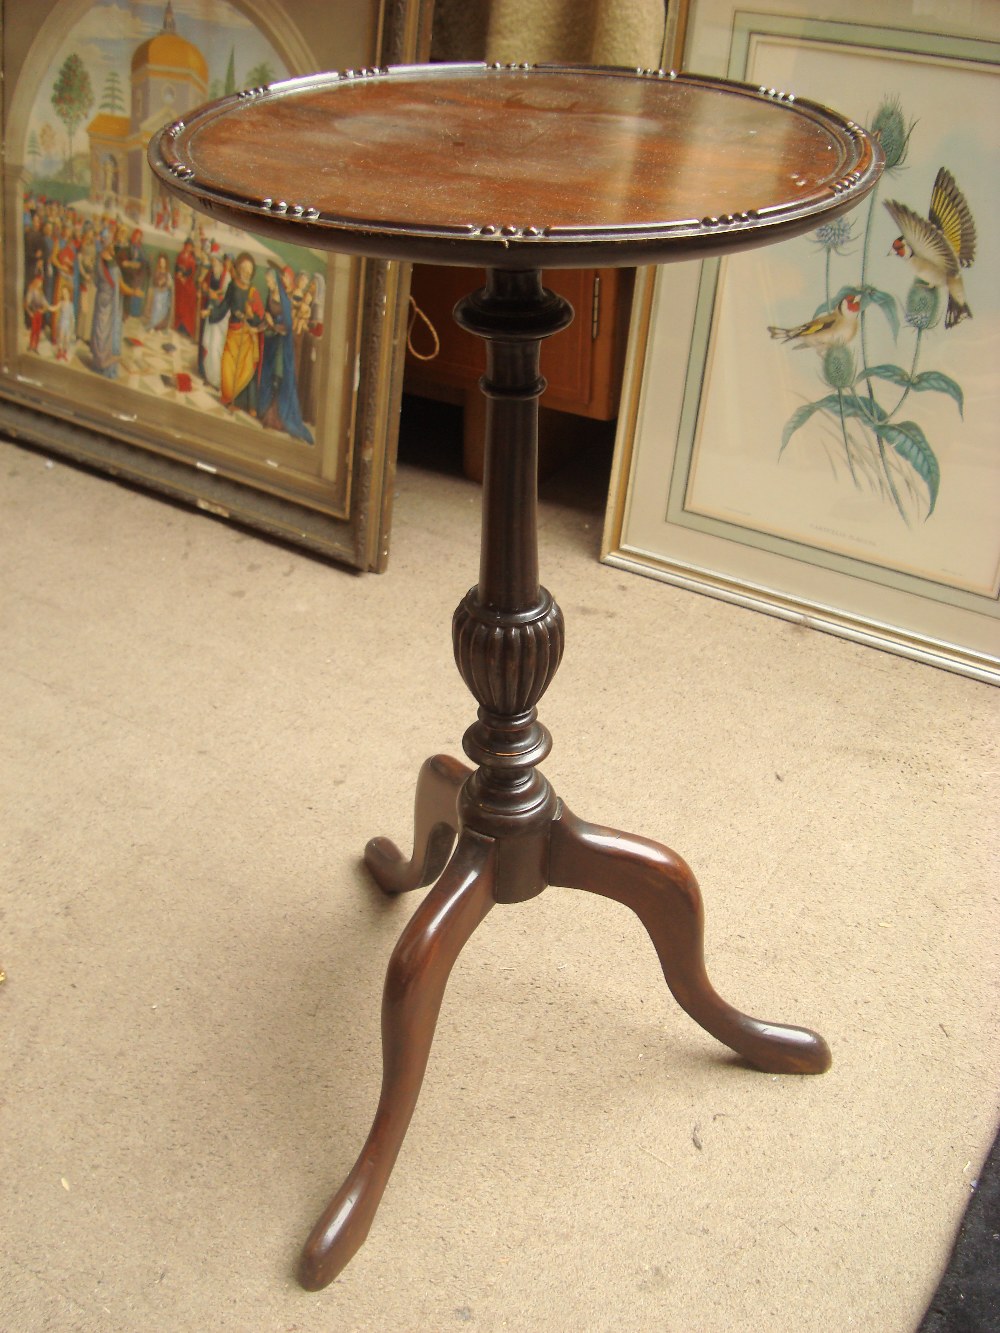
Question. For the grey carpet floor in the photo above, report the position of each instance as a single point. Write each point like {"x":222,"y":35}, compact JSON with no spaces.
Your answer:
{"x":201,"y":731}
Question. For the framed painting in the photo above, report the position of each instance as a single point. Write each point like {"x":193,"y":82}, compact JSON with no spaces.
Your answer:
{"x":122,"y":343}
{"x":812,"y":429}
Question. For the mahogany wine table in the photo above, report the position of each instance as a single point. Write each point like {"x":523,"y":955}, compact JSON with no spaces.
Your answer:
{"x":516,"y":169}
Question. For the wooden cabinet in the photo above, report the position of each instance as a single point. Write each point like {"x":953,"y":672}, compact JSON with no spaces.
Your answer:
{"x":582,"y":365}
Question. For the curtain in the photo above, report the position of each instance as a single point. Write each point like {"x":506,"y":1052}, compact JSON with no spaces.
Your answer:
{"x":600,"y":32}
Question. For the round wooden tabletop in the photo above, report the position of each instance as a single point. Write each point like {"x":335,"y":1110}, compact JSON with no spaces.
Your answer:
{"x":518,"y":166}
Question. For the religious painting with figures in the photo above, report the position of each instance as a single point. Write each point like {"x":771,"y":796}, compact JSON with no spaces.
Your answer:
{"x":121,"y":281}
{"x":126,"y":309}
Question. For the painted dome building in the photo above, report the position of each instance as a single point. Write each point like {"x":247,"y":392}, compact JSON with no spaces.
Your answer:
{"x":169,"y":76}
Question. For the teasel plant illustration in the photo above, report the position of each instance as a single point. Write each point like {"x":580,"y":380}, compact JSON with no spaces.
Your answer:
{"x":885,"y":451}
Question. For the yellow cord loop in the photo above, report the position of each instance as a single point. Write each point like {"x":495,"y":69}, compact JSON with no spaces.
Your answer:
{"x":415,"y":314}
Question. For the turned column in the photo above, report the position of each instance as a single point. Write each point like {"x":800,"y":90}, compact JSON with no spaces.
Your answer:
{"x":508,"y":631}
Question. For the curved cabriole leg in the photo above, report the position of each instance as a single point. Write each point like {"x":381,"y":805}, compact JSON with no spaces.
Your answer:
{"x":435,"y":822}
{"x":661,"y":890}
{"x":414,"y":988}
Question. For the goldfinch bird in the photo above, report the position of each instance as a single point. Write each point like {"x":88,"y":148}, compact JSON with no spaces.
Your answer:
{"x":940,"y":245}
{"x":832,"y":329}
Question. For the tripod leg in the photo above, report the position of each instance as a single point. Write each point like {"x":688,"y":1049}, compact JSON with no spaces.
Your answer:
{"x":435,"y":825}
{"x":660,"y":888}
{"x":414,"y":988}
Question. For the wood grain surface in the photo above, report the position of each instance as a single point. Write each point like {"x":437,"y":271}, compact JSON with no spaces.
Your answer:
{"x":472,"y":164}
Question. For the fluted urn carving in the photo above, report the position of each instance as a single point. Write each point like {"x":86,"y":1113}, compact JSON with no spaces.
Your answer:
{"x":508,"y":661}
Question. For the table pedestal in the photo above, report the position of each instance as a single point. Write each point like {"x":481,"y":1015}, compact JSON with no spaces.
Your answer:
{"x":514,"y":836}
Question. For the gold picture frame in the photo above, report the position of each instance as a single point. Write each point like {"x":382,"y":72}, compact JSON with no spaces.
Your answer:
{"x":114,"y":331}
{"x":740,"y":467}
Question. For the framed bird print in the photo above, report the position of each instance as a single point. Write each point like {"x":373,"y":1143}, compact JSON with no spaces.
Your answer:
{"x":257,"y":380}
{"x":812,"y":429}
